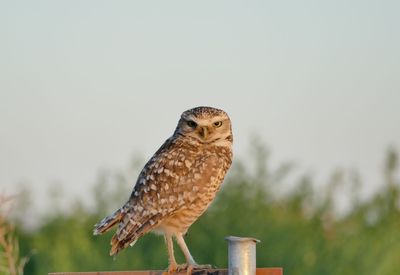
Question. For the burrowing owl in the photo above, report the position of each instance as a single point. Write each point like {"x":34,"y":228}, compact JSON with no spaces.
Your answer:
{"x":177,"y":184}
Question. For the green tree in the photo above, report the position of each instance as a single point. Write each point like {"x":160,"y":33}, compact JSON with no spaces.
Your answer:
{"x":299,"y":229}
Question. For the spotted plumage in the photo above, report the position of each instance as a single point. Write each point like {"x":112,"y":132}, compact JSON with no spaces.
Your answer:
{"x":177,"y":184}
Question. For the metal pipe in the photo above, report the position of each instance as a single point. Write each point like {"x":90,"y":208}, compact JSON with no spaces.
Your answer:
{"x":241,"y":255}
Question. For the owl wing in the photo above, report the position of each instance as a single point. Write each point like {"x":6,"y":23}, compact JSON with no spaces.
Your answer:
{"x":172,"y":180}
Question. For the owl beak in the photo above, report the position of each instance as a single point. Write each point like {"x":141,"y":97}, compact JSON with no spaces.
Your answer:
{"x":203,"y":131}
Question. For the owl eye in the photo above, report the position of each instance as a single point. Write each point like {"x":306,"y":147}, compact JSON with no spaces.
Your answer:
{"x":218,"y":124}
{"x":192,"y":124}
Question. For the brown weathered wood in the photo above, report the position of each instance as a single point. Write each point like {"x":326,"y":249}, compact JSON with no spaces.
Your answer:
{"x":260,"y":271}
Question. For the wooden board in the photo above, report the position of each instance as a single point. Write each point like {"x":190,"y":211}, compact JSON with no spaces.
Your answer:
{"x":260,"y":271}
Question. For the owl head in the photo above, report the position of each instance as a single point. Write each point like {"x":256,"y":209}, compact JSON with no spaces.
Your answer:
{"x":206,"y":125}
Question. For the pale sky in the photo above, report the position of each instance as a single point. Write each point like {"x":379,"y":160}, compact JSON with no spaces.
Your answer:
{"x":87,"y":84}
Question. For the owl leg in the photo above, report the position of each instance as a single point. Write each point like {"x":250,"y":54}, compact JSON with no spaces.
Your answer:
{"x":173,"y":266}
{"x":190,"y":263}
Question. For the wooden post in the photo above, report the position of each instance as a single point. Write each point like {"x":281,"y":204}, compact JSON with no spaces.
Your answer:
{"x":259,"y":271}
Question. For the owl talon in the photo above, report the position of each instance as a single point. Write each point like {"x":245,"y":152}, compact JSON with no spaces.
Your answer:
{"x":181,"y":267}
{"x":191,"y":267}
{"x":172,"y":268}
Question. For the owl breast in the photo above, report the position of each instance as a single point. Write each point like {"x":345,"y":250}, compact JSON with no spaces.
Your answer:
{"x":202,"y":173}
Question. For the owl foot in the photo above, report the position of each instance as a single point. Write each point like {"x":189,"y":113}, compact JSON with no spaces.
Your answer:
{"x":175,"y":268}
{"x":172,"y":268}
{"x":191,"y":267}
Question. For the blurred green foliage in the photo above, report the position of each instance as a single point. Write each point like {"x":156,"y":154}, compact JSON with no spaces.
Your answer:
{"x":298,"y":224}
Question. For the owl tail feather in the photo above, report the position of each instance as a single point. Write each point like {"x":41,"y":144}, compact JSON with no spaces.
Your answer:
{"x":118,"y":245}
{"x":108,"y":222}
{"x":115,"y":246}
